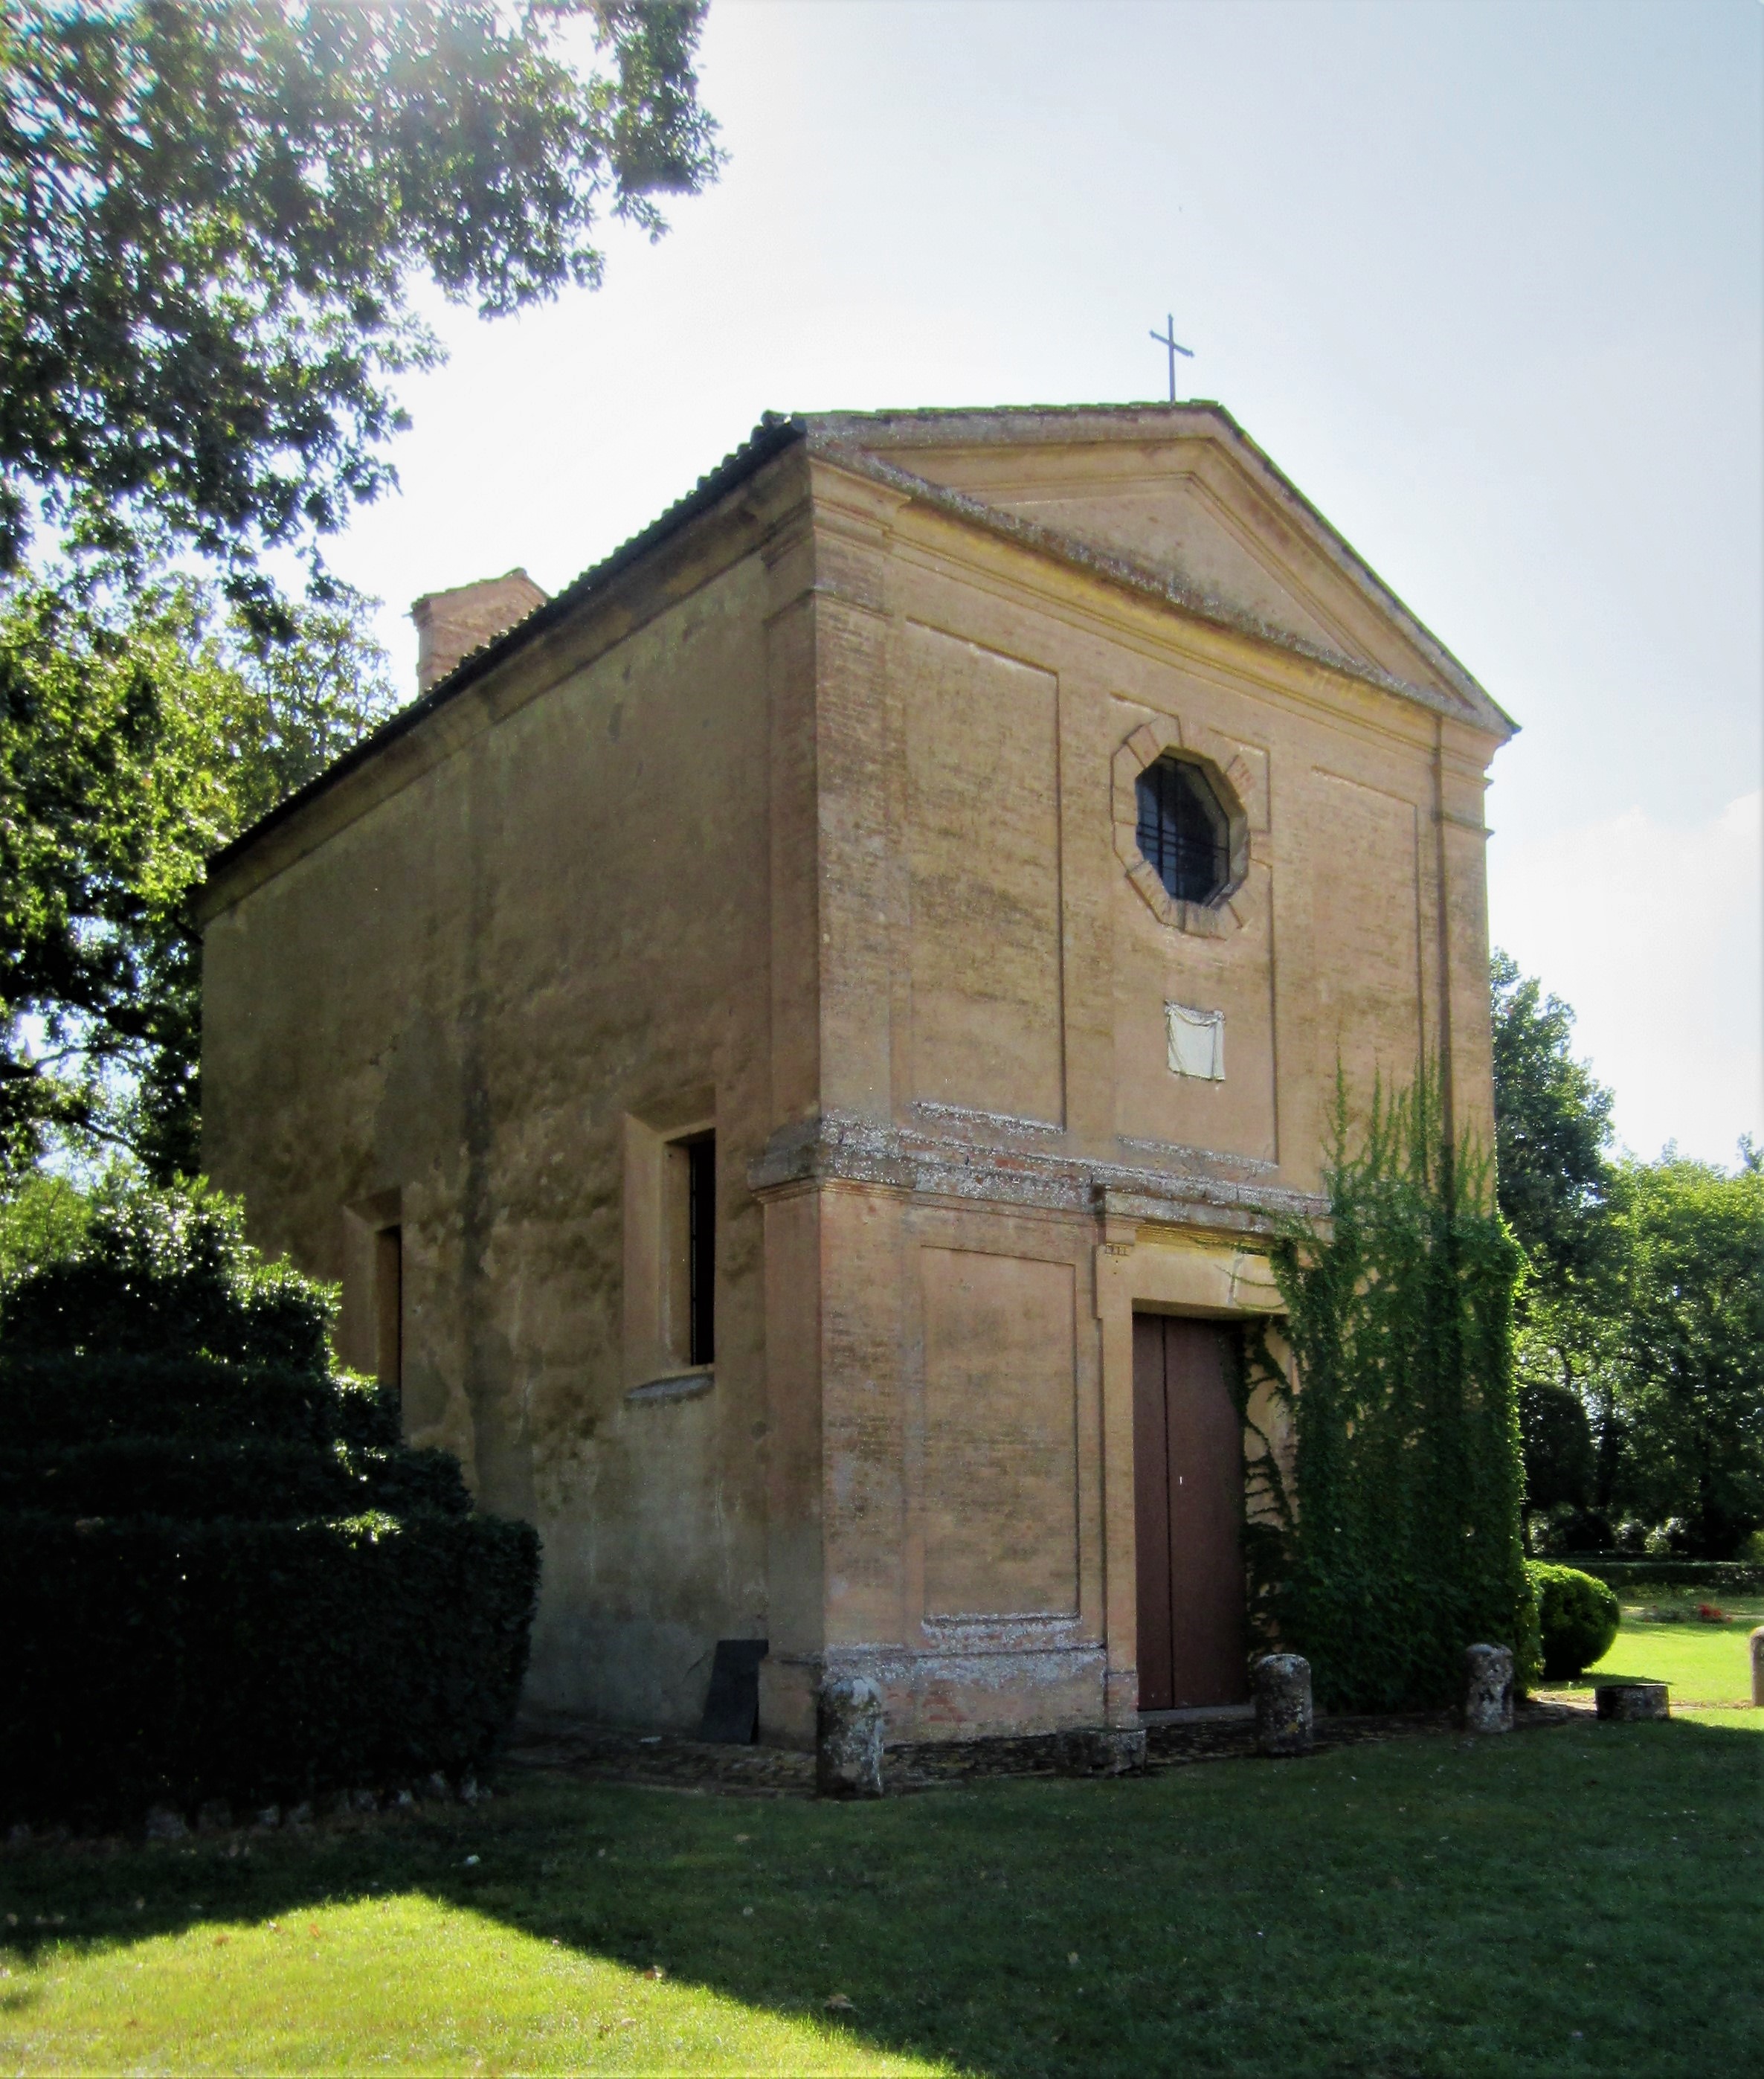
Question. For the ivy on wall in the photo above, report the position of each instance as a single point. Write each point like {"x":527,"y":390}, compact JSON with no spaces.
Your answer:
{"x":1384,"y":1532}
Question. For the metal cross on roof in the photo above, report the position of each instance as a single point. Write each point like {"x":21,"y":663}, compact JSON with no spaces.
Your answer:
{"x":1168,"y":338}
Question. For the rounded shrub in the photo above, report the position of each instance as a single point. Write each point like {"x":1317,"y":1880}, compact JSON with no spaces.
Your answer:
{"x":1578,"y":1616}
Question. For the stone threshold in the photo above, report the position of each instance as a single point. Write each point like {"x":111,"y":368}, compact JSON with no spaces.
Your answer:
{"x":1197,"y":1714}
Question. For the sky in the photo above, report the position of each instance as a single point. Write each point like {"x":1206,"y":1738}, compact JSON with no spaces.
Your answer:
{"x":1485,"y":281}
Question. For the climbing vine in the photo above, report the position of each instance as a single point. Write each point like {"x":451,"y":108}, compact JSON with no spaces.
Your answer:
{"x":1385,"y":1512}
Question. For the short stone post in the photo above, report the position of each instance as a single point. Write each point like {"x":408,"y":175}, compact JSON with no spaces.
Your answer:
{"x":1627,"y":1703}
{"x":1758,"y":1669}
{"x":1282,"y":1685}
{"x":1488,"y":1689}
{"x":848,"y":1738}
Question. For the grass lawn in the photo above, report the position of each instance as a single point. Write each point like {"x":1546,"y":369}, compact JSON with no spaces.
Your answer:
{"x":1580,"y":1900}
{"x":1665,"y":1641}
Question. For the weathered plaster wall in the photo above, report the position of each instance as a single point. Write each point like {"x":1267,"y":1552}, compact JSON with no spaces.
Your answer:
{"x":473,"y":1007}
{"x":995,"y":1073}
{"x":813,"y":832}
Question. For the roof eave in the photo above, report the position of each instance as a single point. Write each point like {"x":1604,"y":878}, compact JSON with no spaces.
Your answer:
{"x":771,"y":437}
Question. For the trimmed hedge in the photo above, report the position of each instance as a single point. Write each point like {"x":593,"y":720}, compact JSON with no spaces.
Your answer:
{"x":76,"y":1400}
{"x":201,"y":1481}
{"x":1731,"y":1577}
{"x":150,"y":1661}
{"x":1577,"y":1616}
{"x":225,"y":1575}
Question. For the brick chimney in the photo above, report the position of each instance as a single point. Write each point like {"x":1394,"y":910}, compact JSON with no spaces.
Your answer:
{"x":451,"y":625}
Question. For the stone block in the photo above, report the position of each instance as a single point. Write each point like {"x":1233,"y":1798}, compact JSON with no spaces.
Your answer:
{"x":1487,"y":1705}
{"x":848,"y":1738}
{"x":1101,"y":1750}
{"x":1758,"y":1669}
{"x":1626,"y":1703}
{"x":1283,"y":1717}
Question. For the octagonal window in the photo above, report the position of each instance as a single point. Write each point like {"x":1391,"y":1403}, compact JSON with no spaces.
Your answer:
{"x":1184,"y":831}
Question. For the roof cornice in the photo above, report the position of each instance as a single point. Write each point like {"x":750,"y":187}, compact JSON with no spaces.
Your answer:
{"x":1165,"y":586}
{"x":857,"y":442}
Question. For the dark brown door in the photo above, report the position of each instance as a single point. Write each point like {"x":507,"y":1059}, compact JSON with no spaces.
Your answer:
{"x":1188,"y":1496}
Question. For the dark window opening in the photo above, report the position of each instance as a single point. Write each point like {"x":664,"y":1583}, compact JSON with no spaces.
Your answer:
{"x":701,"y":1249}
{"x":1184,"y":833}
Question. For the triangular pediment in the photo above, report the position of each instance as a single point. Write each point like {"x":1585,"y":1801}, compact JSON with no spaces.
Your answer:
{"x":1181,"y":493}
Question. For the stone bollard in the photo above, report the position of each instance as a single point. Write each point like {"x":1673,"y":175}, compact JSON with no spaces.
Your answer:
{"x":1488,"y":1689}
{"x":848,"y":1738}
{"x":1624,"y":1703}
{"x":1101,"y":1750}
{"x":1282,"y":1685}
{"x":1758,"y":1669}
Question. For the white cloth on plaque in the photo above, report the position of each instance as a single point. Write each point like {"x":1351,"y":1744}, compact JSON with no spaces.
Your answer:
{"x":1197,"y":1042}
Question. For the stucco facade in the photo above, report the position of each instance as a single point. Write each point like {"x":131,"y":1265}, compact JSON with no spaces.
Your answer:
{"x":808,"y":821}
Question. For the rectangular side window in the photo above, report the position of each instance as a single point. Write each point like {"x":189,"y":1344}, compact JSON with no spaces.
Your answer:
{"x":389,"y":1307}
{"x":701,"y":1249}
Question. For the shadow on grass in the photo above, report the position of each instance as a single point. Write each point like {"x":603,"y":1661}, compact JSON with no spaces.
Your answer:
{"x":1433,"y":1905}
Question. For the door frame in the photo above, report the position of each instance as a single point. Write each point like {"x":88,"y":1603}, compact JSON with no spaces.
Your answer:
{"x":1147,"y":1268}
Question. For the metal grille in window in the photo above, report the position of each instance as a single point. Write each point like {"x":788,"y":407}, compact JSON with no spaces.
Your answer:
{"x":1183,"y":832}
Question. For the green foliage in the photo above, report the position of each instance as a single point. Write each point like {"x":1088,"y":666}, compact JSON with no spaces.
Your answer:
{"x":1688,"y":1354}
{"x":1552,"y":1126}
{"x":1640,"y":1332}
{"x":1561,"y":1461}
{"x":1577,"y":1618}
{"x":168,"y":1276}
{"x":42,"y":1219}
{"x":1552,"y":1129}
{"x":1395,"y":1543}
{"x":136,"y":735}
{"x":226,"y":1575}
{"x":211,"y":213}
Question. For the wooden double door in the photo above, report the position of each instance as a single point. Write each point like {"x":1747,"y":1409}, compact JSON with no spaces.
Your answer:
{"x":1188,"y":1497}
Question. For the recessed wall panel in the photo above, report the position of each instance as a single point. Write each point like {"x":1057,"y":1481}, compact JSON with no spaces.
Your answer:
{"x":983,"y":850}
{"x":1363,"y":854}
{"x":999,"y":1501}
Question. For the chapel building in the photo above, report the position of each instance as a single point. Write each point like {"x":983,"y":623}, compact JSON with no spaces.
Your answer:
{"x":794,"y":1047}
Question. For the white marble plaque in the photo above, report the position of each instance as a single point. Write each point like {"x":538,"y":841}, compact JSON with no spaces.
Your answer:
{"x":1197,"y":1042}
